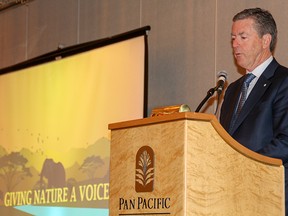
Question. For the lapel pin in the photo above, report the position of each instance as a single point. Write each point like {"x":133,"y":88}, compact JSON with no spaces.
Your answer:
{"x":265,"y":85}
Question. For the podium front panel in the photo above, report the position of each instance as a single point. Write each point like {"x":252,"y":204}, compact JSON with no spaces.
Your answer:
{"x":185,"y":167}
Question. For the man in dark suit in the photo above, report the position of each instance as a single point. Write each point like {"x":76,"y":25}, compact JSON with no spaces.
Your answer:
{"x":261,"y":124}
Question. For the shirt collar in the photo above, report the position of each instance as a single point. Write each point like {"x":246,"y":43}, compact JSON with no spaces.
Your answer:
{"x":260,"y":68}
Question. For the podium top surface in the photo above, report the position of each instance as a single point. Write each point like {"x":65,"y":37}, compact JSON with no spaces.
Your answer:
{"x":197,"y":117}
{"x":162,"y":119}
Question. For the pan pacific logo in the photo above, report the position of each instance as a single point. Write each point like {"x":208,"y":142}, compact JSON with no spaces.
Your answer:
{"x":144,"y":176}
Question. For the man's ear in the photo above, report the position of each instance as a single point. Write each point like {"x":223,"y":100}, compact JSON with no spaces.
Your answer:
{"x":266,"y":40}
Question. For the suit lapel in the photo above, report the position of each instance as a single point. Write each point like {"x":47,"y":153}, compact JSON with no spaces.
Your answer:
{"x":255,"y":96}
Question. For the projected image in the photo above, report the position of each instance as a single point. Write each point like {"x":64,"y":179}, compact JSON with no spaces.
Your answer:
{"x":54,"y":137}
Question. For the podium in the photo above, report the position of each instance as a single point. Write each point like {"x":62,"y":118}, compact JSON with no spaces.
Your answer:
{"x":187,"y":164}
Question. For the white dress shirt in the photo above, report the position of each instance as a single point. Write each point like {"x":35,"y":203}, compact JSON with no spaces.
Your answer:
{"x":257,"y":72}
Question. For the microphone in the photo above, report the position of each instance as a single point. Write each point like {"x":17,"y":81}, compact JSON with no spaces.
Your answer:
{"x":222,"y":76}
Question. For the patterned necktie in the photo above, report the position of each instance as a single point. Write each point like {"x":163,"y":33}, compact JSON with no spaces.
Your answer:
{"x":248,"y":78}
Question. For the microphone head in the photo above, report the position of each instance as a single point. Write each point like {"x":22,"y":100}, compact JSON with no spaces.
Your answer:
{"x":222,"y":74}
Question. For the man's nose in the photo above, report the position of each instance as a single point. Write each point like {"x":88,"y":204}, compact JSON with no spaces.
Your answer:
{"x":235,"y":43}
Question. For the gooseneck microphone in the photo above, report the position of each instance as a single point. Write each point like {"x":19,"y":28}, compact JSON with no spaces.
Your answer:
{"x":222,"y":76}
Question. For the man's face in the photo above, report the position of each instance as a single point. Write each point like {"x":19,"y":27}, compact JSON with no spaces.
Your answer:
{"x":248,"y":48}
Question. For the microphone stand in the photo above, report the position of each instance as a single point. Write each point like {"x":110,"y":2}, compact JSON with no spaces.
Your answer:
{"x":209,"y":94}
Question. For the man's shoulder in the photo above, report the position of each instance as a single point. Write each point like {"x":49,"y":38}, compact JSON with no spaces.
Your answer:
{"x":282,"y":69}
{"x":281,"y":72}
{"x":275,"y":70}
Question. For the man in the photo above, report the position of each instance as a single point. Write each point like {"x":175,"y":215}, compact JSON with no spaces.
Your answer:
{"x":261,"y":124}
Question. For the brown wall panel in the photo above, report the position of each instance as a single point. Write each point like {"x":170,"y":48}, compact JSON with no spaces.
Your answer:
{"x":189,"y":41}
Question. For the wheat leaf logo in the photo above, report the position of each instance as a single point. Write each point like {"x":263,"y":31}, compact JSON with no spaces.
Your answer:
{"x":144,"y":169}
{"x":145,"y":174}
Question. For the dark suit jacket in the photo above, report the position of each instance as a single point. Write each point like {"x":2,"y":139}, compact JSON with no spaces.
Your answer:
{"x":262,"y":125}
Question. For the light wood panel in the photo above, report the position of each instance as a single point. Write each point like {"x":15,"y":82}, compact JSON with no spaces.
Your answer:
{"x":198,"y":166}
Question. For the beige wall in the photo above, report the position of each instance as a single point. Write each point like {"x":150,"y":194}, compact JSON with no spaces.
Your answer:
{"x":189,"y":41}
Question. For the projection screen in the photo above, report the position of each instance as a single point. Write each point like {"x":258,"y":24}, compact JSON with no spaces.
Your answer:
{"x":54,"y":116}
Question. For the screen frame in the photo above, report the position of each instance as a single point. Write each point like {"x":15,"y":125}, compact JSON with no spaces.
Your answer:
{"x":87,"y":46}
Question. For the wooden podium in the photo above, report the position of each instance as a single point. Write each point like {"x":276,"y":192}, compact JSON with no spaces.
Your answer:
{"x":187,"y":164}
